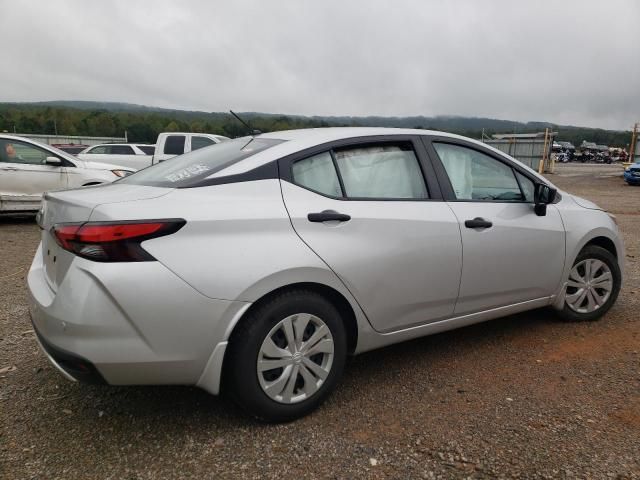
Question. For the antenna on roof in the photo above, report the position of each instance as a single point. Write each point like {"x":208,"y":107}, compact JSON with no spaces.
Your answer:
{"x":252,"y":130}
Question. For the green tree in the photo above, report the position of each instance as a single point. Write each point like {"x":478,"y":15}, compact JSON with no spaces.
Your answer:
{"x":172,"y":127}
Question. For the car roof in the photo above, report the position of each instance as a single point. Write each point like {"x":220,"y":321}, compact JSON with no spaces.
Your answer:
{"x":5,"y":136}
{"x":322,"y":135}
{"x":194,"y":133}
{"x":293,"y":141}
{"x":111,"y":144}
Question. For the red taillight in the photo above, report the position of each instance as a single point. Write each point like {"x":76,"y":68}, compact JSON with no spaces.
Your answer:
{"x":109,"y":233}
{"x":113,"y":241}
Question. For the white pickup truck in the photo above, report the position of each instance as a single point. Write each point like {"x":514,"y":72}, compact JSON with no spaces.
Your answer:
{"x":170,"y":144}
{"x":138,"y":156}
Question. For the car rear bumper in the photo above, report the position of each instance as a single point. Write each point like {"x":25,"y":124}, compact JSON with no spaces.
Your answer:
{"x":71,"y":366}
{"x":129,"y":324}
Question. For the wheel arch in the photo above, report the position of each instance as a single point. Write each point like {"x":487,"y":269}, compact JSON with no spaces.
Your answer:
{"x":336,"y":297}
{"x":601,"y":237}
{"x":333,"y":295}
{"x":603,"y":242}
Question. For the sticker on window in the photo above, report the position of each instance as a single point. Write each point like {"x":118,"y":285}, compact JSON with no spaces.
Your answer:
{"x":188,"y":172}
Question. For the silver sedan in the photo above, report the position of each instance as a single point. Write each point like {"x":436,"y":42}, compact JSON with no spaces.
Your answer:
{"x":255,"y":266}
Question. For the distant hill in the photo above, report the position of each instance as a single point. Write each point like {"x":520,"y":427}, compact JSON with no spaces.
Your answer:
{"x":143,"y":123}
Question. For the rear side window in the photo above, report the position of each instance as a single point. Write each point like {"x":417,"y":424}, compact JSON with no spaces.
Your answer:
{"x":174,"y":145}
{"x":98,"y":150}
{"x":147,"y":149}
{"x":318,"y":173}
{"x":121,"y":150}
{"x":385,"y":171}
{"x":189,"y":169}
{"x":478,"y":177}
{"x":200,"y":142}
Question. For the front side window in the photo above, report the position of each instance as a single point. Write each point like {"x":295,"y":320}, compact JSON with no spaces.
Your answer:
{"x":317,"y":173}
{"x":527,"y":187}
{"x":477,"y":176}
{"x":18,"y":152}
{"x":200,"y":142}
{"x":174,"y":145}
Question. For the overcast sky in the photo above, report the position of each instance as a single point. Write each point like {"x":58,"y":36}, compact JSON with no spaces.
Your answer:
{"x":569,"y":62}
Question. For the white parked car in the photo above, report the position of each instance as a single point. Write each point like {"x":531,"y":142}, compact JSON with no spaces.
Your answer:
{"x":130,"y":155}
{"x":171,"y":144}
{"x":28,"y":169}
{"x":257,"y":265}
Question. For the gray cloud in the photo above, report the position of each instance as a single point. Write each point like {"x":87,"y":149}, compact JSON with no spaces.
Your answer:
{"x":570,"y":62}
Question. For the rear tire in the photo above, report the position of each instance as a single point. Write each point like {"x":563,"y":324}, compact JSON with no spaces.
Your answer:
{"x":302,"y":335}
{"x":593,"y":285}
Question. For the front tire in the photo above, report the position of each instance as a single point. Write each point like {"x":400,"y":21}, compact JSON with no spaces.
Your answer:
{"x":593,"y":285}
{"x":286,"y":356}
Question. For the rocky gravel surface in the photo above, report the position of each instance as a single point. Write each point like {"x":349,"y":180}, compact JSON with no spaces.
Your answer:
{"x":520,"y":397}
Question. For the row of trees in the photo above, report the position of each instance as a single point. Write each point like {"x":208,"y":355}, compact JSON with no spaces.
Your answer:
{"x":140,"y":126}
{"x":143,"y":124}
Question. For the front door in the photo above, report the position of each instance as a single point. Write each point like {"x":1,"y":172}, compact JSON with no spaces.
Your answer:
{"x":367,"y":211}
{"x":510,"y":254}
{"x":25,"y":176}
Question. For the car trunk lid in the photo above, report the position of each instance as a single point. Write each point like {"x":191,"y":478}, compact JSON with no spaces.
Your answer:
{"x":76,"y":206}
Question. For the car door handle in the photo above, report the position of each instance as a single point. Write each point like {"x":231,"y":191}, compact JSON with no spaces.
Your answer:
{"x":328,"y":215}
{"x":478,"y":222}
{"x":9,"y":169}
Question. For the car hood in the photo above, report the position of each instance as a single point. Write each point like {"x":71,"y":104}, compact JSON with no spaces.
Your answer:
{"x":583,"y":202}
{"x":104,"y":166}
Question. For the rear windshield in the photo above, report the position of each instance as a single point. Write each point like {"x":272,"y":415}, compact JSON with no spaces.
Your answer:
{"x":188,"y":169}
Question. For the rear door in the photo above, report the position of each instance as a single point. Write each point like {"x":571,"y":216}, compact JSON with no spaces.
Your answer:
{"x":25,"y":176}
{"x":511,"y":255}
{"x":367,"y":208}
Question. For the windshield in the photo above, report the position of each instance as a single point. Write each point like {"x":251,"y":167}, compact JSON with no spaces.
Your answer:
{"x":188,"y":169}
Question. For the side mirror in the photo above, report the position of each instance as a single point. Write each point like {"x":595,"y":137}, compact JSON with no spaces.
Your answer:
{"x":53,"y":161}
{"x":543,"y":195}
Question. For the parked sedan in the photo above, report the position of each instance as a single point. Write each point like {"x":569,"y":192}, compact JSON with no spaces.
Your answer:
{"x":255,"y":266}
{"x":130,"y":155}
{"x":28,"y":169}
{"x":632,"y":174}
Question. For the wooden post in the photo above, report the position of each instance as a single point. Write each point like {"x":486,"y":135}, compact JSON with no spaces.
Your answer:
{"x":544,"y":152}
{"x":632,"y":146}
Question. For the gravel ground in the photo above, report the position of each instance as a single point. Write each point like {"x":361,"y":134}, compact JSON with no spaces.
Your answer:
{"x":524,"y":396}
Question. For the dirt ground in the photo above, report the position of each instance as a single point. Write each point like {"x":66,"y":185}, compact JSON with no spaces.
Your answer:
{"x":520,"y":397}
